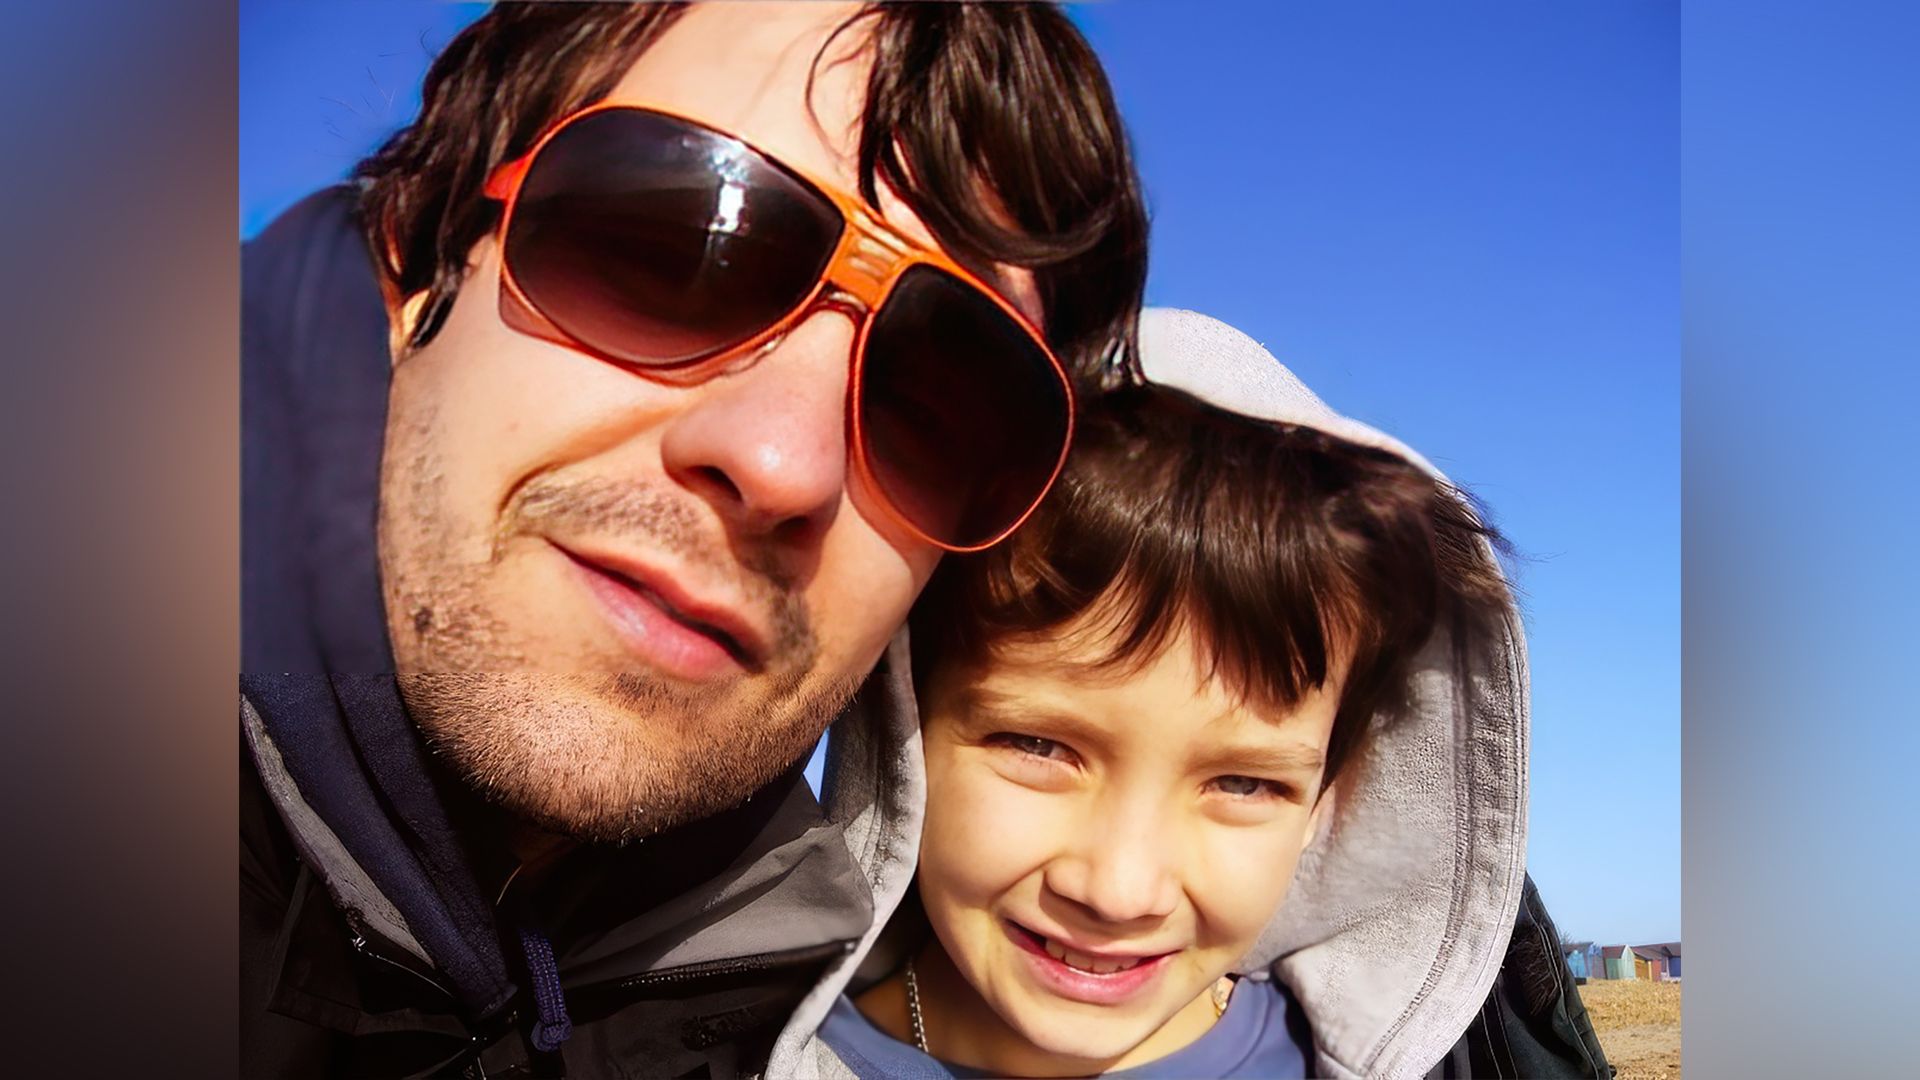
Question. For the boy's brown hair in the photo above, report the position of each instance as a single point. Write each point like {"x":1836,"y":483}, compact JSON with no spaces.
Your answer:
{"x":1287,"y":552}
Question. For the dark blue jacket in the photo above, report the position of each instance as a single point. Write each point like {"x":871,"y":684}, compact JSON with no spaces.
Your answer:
{"x":376,"y":937}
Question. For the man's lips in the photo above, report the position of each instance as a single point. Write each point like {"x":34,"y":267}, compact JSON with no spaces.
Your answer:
{"x":670,"y":623}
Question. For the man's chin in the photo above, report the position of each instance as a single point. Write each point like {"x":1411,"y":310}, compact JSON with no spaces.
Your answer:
{"x":608,"y":759}
{"x":610,"y":812}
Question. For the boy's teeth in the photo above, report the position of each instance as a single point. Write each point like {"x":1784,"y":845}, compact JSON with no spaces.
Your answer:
{"x":1087,"y":963}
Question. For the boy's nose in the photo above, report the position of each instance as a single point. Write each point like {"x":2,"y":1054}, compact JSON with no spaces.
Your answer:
{"x":766,"y":446}
{"x":1120,"y":871}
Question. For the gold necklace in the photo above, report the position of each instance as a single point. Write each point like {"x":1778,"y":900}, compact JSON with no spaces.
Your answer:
{"x":913,"y":1011}
{"x":1221,"y":993}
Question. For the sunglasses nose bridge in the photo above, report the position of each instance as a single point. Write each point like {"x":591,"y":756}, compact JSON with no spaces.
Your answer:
{"x":867,"y":262}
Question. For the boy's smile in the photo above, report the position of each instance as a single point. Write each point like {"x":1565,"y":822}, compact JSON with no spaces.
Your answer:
{"x":1101,"y":846}
{"x":1094,"y":977}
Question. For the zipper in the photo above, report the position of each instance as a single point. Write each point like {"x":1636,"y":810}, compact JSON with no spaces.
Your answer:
{"x":484,"y":1036}
{"x":716,"y":968}
{"x":686,"y":973}
{"x":480,"y":1035}
{"x":365,"y":948}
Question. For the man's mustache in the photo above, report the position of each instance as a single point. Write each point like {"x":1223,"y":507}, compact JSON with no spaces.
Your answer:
{"x":635,"y":516}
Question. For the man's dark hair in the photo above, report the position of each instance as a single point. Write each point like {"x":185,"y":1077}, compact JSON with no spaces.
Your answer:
{"x":1283,"y":549}
{"x":994,"y":123}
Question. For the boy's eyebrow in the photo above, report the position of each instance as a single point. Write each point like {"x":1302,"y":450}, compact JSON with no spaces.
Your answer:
{"x":980,"y":699}
{"x":1261,"y":754}
{"x":985,"y":703}
{"x":1294,"y":757}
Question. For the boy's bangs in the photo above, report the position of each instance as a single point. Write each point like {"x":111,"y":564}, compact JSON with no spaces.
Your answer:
{"x":1260,"y":541}
{"x":1294,"y":559}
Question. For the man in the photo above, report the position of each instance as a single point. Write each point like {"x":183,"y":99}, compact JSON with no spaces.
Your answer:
{"x":655,"y":485}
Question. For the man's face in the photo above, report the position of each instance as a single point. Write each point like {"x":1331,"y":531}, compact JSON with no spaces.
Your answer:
{"x":618,"y":604}
{"x":1101,"y":846}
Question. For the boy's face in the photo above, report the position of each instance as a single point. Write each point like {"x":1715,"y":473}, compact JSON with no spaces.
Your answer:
{"x":1101,"y":846}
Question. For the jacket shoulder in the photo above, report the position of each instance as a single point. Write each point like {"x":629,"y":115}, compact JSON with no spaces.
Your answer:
{"x":303,"y":264}
{"x":1533,"y":1023}
{"x":270,"y":1044}
{"x":327,"y":219}
{"x":313,"y":385}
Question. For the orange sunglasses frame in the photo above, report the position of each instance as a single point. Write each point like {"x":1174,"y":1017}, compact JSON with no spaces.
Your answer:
{"x":867,"y":263}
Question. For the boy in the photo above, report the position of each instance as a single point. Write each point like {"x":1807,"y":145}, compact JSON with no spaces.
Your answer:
{"x":1248,"y":652}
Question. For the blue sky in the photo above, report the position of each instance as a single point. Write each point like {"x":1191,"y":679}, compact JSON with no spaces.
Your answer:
{"x":1458,"y":222}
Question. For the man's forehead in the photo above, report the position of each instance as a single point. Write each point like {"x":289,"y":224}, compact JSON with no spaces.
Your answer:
{"x":1016,"y":284}
{"x":748,"y":69}
{"x":745,"y":68}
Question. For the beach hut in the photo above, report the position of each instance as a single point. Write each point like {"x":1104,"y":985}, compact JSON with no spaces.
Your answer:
{"x":1657,"y":962}
{"x":1649,"y":963}
{"x":1583,"y":959}
{"x":1616,"y":962}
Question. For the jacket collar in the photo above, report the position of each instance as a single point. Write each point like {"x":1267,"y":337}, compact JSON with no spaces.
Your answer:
{"x":767,"y":881}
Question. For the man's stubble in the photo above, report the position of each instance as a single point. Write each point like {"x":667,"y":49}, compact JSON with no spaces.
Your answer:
{"x":598,"y":755}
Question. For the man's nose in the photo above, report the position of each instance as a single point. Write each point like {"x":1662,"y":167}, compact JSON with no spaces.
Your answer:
{"x":1123,"y":866}
{"x":767,"y":445}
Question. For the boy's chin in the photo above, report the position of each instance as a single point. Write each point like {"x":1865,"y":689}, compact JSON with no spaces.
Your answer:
{"x":1060,"y":1033}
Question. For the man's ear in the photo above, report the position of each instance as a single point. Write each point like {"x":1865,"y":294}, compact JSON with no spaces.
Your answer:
{"x":405,"y":316}
{"x":402,"y":317}
{"x":401,"y":311}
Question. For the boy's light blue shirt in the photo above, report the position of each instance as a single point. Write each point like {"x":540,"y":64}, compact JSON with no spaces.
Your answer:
{"x":1252,"y":1038}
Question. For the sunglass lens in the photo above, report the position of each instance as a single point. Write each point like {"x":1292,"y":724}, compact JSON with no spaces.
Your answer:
{"x":964,"y":417}
{"x":658,"y":241}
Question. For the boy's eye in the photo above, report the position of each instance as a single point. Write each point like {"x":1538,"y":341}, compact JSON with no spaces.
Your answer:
{"x":1249,"y":787}
{"x":1031,"y":745}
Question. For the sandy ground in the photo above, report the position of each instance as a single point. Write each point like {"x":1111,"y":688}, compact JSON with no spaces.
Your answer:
{"x":1639,"y":1026}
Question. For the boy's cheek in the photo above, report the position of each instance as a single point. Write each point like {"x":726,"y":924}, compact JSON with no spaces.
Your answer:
{"x":980,"y":841}
{"x":1238,"y":883}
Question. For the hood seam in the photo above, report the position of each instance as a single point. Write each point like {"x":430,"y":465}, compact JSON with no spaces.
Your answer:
{"x":1464,"y":843}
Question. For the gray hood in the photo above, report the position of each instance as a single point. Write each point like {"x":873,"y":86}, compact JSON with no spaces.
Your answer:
{"x":1402,"y":905}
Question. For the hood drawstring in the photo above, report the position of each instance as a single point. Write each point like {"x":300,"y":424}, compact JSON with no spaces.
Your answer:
{"x":553,"y":1025}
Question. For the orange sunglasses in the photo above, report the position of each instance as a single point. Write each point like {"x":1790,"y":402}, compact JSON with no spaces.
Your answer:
{"x":663,"y":244}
